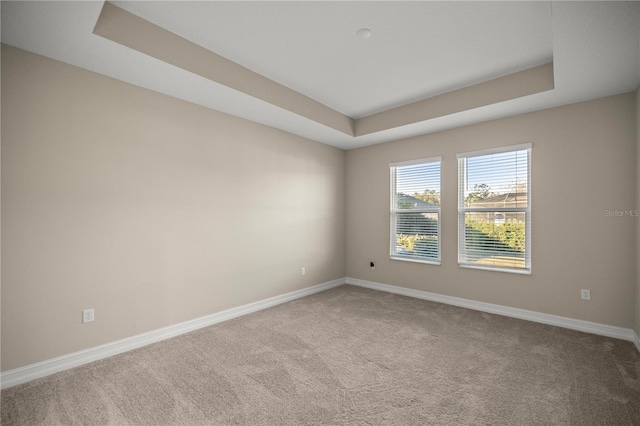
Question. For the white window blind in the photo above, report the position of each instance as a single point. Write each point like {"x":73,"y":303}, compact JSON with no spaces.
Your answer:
{"x":415,"y":210}
{"x":494,"y":209}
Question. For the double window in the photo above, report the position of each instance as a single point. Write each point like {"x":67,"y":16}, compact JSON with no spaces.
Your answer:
{"x":494,"y":209}
{"x":415,"y":210}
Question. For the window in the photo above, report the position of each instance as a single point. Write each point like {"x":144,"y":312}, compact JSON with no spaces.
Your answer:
{"x":415,"y":211}
{"x":494,"y":209}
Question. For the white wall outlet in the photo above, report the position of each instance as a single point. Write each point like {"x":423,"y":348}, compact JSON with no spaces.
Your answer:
{"x":303,"y":271}
{"x":585,"y":294}
{"x":88,"y":315}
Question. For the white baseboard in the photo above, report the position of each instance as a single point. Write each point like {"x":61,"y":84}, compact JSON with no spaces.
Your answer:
{"x":65,"y":362}
{"x":574,"y":324}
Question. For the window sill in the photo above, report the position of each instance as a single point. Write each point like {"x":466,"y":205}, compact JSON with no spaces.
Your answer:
{"x":410,"y":259}
{"x":495,"y":269}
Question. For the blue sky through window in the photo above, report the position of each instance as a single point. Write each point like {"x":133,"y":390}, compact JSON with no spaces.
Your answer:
{"x":418,"y":178}
{"x":502,"y":172}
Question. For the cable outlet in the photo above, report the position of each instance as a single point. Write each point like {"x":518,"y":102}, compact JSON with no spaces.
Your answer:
{"x":585,"y":294}
{"x":88,"y":315}
{"x":303,"y":271}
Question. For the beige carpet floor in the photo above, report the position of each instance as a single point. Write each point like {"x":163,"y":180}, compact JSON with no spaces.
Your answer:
{"x":349,"y":356}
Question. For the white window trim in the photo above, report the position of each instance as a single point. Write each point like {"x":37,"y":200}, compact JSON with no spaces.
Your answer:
{"x":392,"y":212}
{"x":462,"y":209}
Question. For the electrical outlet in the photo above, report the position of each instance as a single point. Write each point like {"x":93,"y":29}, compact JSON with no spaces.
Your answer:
{"x":303,"y":271}
{"x":88,"y":315}
{"x":585,"y":294}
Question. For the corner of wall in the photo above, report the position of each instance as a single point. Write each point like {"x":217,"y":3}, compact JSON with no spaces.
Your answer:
{"x":637,"y":304}
{"x":144,"y":210}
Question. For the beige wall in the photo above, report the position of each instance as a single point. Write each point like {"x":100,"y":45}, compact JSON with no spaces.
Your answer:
{"x":637,"y":258}
{"x":583,"y":163}
{"x":155,"y":211}
{"x":151,"y":210}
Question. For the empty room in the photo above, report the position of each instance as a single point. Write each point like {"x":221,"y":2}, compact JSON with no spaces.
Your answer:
{"x":320,"y":213}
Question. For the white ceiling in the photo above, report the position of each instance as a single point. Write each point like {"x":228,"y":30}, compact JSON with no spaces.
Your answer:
{"x":417,"y":50}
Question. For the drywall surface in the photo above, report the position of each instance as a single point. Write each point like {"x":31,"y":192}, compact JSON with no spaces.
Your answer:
{"x":637,"y":257}
{"x":150,"y":210}
{"x":583,"y":166}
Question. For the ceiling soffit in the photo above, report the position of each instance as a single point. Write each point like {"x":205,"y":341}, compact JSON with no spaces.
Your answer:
{"x":127,"y":29}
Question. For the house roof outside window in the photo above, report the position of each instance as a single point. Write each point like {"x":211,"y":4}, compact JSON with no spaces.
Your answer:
{"x":410,"y":202}
{"x":510,"y":199}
